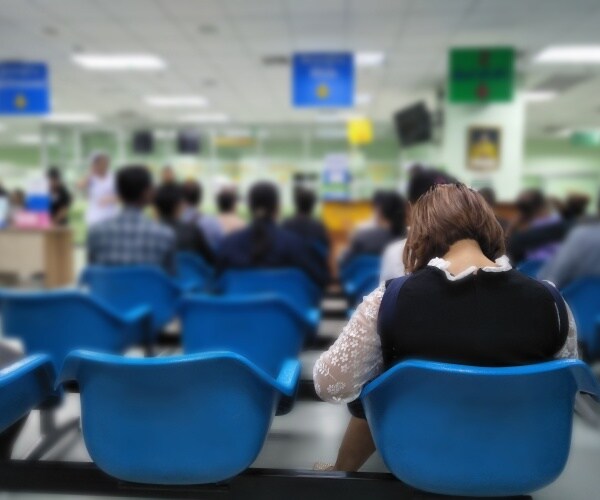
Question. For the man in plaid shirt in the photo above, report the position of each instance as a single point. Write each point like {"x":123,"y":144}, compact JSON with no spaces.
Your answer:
{"x":131,"y":238}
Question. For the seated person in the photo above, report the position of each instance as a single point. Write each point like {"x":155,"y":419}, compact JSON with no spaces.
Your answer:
{"x":131,"y":238}
{"x":228,"y":219}
{"x":303,"y":223}
{"x":209,"y":225}
{"x":168,"y":201}
{"x":461,"y":303}
{"x":578,"y":257}
{"x":538,"y":231}
{"x":390,"y":225}
{"x":489,"y":195}
{"x":264,"y":244}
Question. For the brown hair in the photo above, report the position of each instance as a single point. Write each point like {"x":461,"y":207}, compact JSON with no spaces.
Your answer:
{"x":446,"y":214}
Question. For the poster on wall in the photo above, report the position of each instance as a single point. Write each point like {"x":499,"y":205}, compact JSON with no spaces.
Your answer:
{"x":483,"y":148}
{"x":336,"y":177}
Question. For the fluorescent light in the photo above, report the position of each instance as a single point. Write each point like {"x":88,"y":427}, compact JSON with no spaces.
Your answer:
{"x":71,"y":118}
{"x":369,"y":59}
{"x":334,"y":117}
{"x":35,"y":139}
{"x":183,"y":101}
{"x":205,"y":118}
{"x":119,"y":62}
{"x":539,"y":95}
{"x":570,"y":54}
{"x":362,"y":99}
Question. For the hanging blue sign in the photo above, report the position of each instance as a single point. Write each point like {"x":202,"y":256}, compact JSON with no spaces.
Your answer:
{"x":323,"y":80}
{"x":24,"y":88}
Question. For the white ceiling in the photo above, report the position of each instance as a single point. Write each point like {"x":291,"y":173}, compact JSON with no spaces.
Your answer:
{"x":215,"y":48}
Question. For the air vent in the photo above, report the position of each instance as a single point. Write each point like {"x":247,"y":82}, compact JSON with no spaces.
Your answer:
{"x":276,"y":60}
{"x":562,"y":83}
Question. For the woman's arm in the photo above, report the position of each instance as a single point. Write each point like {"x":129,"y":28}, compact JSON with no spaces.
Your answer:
{"x":355,"y":358}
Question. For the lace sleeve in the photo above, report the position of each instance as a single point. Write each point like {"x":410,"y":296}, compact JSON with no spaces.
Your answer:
{"x":355,"y":358}
{"x":569,"y":350}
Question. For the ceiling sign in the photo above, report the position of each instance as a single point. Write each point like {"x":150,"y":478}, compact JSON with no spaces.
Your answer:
{"x":24,"y":88}
{"x":481,"y":75}
{"x":323,"y":80}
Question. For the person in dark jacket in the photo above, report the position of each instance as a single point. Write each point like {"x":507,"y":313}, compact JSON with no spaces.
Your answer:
{"x":302,"y":222}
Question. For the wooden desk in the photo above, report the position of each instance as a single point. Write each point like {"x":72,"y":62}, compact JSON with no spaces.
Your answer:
{"x":27,"y":252}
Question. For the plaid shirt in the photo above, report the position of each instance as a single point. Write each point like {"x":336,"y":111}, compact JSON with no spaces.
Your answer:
{"x":132,"y":238}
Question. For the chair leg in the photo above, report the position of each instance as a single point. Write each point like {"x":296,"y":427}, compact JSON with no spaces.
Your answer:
{"x":51,"y":434}
{"x":9,"y":437}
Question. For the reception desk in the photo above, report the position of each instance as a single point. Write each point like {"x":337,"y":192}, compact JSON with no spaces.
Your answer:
{"x":25,"y":253}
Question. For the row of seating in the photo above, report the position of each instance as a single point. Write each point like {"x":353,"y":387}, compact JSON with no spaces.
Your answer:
{"x":359,"y":276}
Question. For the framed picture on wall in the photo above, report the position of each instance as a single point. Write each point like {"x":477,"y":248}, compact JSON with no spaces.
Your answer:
{"x":483,"y":148}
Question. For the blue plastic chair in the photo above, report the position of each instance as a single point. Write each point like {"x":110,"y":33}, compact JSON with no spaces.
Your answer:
{"x":55,"y":323}
{"x":193,"y":272}
{"x":24,"y":386}
{"x":531,"y":267}
{"x":265,"y":330}
{"x":181,"y":420}
{"x":583,"y":297}
{"x":462,"y":430}
{"x":290,"y":284}
{"x":362,"y":286}
{"x":126,"y":288}
{"x":359,"y":265}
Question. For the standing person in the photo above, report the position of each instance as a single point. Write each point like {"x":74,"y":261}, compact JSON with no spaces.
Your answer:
{"x":168,"y":202}
{"x":303,"y":223}
{"x":264,"y":244}
{"x":99,"y":187}
{"x":131,"y":238}
{"x":228,"y":218}
{"x":192,"y":198}
{"x":60,"y":198}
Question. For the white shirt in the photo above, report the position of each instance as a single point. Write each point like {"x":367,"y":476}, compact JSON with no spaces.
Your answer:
{"x":102,"y":203}
{"x":392,"y":265}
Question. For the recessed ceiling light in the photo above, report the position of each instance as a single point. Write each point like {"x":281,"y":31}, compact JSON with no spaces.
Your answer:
{"x":183,"y":101}
{"x":71,"y":118}
{"x":570,"y":54}
{"x":362,"y":99}
{"x":119,"y":62}
{"x":205,"y":118}
{"x":539,"y":95}
{"x":368,"y":59}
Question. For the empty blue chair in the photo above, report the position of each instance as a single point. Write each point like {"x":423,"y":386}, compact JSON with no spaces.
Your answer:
{"x":263,"y":329}
{"x":583,"y":297}
{"x":362,"y":286}
{"x":291,"y":284}
{"x":531,"y":267}
{"x":24,"y":386}
{"x":462,"y":430}
{"x":192,"y":419}
{"x":55,"y":323}
{"x":126,"y":288}
{"x":193,"y":271}
{"x":358,"y":265}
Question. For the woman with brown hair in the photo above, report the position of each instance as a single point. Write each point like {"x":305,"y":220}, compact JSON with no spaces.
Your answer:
{"x":461,"y":302}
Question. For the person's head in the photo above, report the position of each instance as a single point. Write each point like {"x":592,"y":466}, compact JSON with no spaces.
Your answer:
{"x":263,"y":200}
{"x":390,"y":211}
{"x":192,"y":193}
{"x":226,"y":200}
{"x":168,"y":201}
{"x":167,"y":175}
{"x":17,"y":198}
{"x":304,"y":201}
{"x":489,"y":195}
{"x":575,"y":206}
{"x":99,"y":164}
{"x":445,"y":215}
{"x":54,"y":177}
{"x":422,"y":180}
{"x":134,"y":185}
{"x":531,"y":203}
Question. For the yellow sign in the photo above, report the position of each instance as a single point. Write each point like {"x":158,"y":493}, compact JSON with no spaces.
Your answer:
{"x":322,"y":91}
{"x":360,"y":131}
{"x":483,"y":148}
{"x":20,"y":101}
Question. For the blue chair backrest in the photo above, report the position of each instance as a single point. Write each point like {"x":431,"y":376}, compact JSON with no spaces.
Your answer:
{"x":265,"y":330}
{"x":24,"y":386}
{"x":125,"y":288}
{"x":58,"y":322}
{"x":290,"y":283}
{"x":583,"y":297}
{"x":176,"y":420}
{"x":531,"y":267}
{"x":363,"y":286}
{"x":462,"y":430}
{"x":358,"y":265}
{"x":193,"y":271}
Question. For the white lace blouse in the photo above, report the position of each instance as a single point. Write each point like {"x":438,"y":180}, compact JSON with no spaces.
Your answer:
{"x":356,"y":357}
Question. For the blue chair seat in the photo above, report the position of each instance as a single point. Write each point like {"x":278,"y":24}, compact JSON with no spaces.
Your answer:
{"x":462,"y":430}
{"x":57,"y":322}
{"x":191,"y":419}
{"x":583,"y":297}
{"x":24,"y":386}
{"x":126,"y":288}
